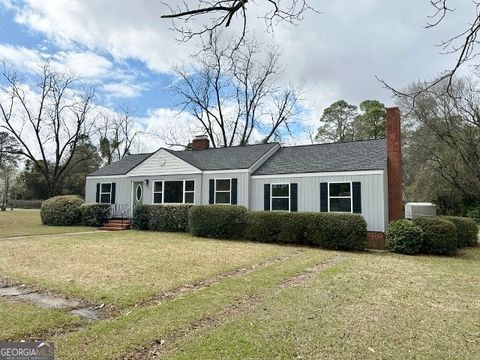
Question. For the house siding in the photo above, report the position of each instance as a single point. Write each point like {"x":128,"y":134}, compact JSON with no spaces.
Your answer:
{"x":124,"y":187}
{"x":373,"y":194}
{"x":163,"y":163}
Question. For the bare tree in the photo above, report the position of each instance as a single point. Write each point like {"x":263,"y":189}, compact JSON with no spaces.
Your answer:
{"x":221,"y":13}
{"x":49,"y":121}
{"x":234,"y":95}
{"x":118,"y":133}
{"x":464,"y":45}
{"x":444,"y":135}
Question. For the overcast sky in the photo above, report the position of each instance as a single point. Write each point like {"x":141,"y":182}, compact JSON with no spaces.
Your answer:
{"x":126,"y":50}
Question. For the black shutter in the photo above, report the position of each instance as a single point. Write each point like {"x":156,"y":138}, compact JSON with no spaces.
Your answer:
{"x":233,"y":192}
{"x":97,"y":195}
{"x":324,"y":197}
{"x":211,"y":192}
{"x":357,"y":197}
{"x":113,"y":193}
{"x":293,"y":197}
{"x":266,"y":197}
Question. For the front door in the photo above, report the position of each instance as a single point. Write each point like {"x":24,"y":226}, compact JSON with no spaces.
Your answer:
{"x":137,"y":193}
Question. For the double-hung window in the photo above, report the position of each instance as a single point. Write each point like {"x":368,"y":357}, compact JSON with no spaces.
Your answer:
{"x":280,"y":198}
{"x":105,"y":193}
{"x":189,"y":192}
{"x":223,"y":189}
{"x":340,"y":197}
{"x":174,"y":192}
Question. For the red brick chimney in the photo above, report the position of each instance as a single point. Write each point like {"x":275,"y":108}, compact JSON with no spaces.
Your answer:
{"x":200,"y":142}
{"x":394,"y":164}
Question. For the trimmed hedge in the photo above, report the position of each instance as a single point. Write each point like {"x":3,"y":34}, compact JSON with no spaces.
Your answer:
{"x":217,"y":221}
{"x":94,"y":214}
{"x":404,"y":237}
{"x":140,"y":217}
{"x":172,"y":218}
{"x":62,"y":211}
{"x":439,"y":235}
{"x":329,"y":231}
{"x":467,"y":230}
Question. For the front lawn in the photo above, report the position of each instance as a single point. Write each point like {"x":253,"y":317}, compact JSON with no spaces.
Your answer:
{"x":22,"y":222}
{"x":124,"y":267}
{"x":176,"y":296}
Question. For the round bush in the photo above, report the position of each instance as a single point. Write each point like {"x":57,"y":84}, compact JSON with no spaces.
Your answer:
{"x":467,"y":230}
{"x":62,"y":211}
{"x":94,"y":214}
{"x":439,"y":235}
{"x":404,"y":237}
{"x":217,"y":221}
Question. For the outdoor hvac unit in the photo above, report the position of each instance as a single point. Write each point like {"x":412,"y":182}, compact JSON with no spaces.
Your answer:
{"x":417,"y":209}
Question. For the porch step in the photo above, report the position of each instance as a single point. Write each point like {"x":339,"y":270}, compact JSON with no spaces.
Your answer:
{"x":116,"y":224}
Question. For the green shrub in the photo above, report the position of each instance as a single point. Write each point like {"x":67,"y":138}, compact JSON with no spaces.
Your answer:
{"x":172,"y":218}
{"x":140,"y":217}
{"x":439,"y":235}
{"x":404,"y":237}
{"x":94,"y":214}
{"x":467,"y":230}
{"x":62,"y":210}
{"x":331,"y":231}
{"x":264,"y":226}
{"x":336,"y":231}
{"x":217,"y":221}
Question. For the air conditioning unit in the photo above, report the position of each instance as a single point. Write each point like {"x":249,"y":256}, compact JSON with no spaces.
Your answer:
{"x":417,"y":209}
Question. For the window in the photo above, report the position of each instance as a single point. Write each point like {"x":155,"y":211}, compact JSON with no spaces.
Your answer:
{"x":105,"y":193}
{"x":340,"y":197}
{"x":189,"y":192}
{"x":222,"y":191}
{"x":174,"y":192}
{"x":157,"y":192}
{"x":280,"y":197}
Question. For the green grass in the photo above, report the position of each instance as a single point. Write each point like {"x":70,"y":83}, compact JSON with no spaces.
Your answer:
{"x":124,"y":267}
{"x":19,"y":320}
{"x":370,"y":306}
{"x":27,"y":222}
{"x":366,"y":306}
{"x":117,"y":337}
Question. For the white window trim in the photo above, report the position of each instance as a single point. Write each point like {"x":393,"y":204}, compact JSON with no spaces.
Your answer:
{"x":163,"y":191}
{"x":103,"y":193}
{"x":222,"y":191}
{"x":281,"y":197}
{"x":341,"y":197}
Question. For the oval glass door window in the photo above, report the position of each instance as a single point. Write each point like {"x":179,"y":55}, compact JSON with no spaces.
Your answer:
{"x":139,"y":193}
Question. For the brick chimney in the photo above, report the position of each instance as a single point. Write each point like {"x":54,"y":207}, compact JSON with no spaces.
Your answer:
{"x":394,"y":164}
{"x":200,"y":142}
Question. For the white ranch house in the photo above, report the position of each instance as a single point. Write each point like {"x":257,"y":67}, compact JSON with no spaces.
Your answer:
{"x":361,"y":177}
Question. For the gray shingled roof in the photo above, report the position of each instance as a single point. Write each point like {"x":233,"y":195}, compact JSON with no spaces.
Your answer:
{"x":236,"y":157}
{"x":359,"y":155}
{"x":121,"y":167}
